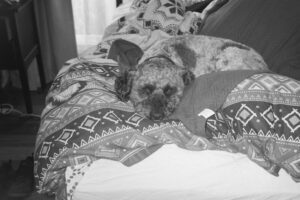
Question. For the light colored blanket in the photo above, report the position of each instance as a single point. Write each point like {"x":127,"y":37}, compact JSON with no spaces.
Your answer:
{"x":148,"y":22}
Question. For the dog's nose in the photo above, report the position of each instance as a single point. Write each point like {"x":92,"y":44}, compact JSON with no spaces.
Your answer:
{"x":158,"y":103}
{"x":156,"y":115}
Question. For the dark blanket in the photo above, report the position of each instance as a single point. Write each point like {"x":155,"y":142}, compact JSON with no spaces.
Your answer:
{"x":271,"y":27}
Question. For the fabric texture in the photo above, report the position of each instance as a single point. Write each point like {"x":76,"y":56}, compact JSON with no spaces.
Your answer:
{"x":271,"y":27}
{"x":208,"y":91}
{"x":261,"y":118}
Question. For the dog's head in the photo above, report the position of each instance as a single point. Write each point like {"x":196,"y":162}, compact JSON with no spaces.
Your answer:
{"x":155,"y":86}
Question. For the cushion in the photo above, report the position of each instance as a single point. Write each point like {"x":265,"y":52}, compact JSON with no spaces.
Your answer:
{"x":271,"y":27}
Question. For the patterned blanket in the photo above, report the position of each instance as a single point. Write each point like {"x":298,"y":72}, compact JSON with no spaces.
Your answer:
{"x":83,"y":121}
{"x":152,"y":20}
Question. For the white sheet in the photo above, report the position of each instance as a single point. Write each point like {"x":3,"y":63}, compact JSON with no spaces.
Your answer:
{"x":174,"y":173}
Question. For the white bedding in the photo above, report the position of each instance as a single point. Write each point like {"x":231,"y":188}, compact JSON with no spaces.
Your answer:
{"x":174,"y":173}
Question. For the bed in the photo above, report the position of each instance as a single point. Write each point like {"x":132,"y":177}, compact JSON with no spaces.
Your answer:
{"x":91,"y":145}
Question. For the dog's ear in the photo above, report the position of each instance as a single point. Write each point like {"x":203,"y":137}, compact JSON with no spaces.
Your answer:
{"x":187,"y":77}
{"x":126,"y":53}
{"x":187,"y":55}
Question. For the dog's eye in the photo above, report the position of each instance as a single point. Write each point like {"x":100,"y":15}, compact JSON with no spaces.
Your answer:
{"x":168,"y":90}
{"x":147,"y":90}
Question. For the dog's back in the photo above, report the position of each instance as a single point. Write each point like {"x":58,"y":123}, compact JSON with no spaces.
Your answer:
{"x":205,"y":54}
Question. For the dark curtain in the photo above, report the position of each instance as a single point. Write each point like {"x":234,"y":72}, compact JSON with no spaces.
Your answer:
{"x":57,"y":35}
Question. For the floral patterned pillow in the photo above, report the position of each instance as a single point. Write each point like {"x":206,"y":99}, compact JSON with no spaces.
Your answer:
{"x":169,"y":16}
{"x":147,"y":16}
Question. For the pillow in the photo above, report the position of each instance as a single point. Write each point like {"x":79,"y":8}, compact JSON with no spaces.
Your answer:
{"x":148,"y":16}
{"x":165,"y":15}
{"x":271,"y":27}
{"x":173,"y":17}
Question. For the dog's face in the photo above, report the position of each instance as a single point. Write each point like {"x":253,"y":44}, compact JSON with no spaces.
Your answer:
{"x":155,"y":86}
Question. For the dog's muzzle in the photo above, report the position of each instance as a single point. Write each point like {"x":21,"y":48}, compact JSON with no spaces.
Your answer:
{"x":158,"y":103}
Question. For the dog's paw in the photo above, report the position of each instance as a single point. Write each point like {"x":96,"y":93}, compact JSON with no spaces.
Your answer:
{"x":123,"y":88}
{"x":188,"y":77}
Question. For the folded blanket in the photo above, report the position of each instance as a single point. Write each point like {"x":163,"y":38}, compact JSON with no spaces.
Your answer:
{"x":205,"y":95}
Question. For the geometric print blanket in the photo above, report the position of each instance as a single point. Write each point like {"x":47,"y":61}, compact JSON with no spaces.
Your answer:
{"x":84,"y":121}
{"x":261,"y":118}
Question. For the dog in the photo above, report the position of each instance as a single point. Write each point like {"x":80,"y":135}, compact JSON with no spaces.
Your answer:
{"x":155,"y":80}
